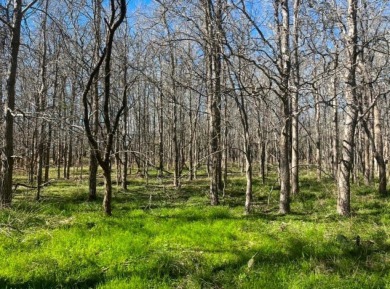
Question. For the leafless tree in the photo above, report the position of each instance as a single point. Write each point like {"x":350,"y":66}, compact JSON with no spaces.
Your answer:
{"x":110,"y":125}
{"x":18,"y":10}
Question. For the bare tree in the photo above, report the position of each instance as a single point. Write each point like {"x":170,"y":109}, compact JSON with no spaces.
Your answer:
{"x":14,"y":26}
{"x":284,"y":64}
{"x":110,"y":125}
{"x":213,"y":46}
{"x":93,"y":163}
{"x":351,"y":113}
{"x":294,"y":102}
{"x":42,"y":103}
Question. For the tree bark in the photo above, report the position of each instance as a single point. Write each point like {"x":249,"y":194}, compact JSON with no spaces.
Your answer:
{"x":41,"y":104}
{"x":214,"y":64}
{"x":284,"y":203}
{"x":284,"y":141}
{"x":93,"y":163}
{"x":318,"y":135}
{"x":295,"y":95}
{"x":335,"y":136}
{"x":107,"y":200}
{"x":351,"y":112}
{"x":8,"y":160}
{"x":161,"y":131}
{"x":378,"y":153}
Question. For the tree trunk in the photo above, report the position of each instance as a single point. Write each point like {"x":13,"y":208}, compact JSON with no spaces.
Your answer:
{"x":284,"y":204}
{"x":377,"y":148}
{"x":175,"y":100}
{"x":92,"y":180}
{"x":367,"y":161}
{"x":214,"y":66}
{"x":225,"y":147}
{"x":93,"y":163}
{"x":161,"y":134}
{"x":191,"y":144}
{"x":263,"y":161}
{"x":108,"y":189}
{"x":41,"y":105}
{"x":47,"y":153}
{"x":382,"y":190}
{"x":294,"y":103}
{"x":2,"y":102}
{"x":335,"y":136}
{"x":125,"y":131}
{"x":248,"y":172}
{"x":318,"y":136}
{"x":8,"y":160}
{"x":284,"y":141}
{"x":351,"y":112}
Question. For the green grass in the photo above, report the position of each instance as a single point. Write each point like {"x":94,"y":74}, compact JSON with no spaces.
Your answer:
{"x":159,"y":237}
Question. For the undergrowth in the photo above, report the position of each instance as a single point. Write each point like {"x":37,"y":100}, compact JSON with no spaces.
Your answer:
{"x":161,"y":237}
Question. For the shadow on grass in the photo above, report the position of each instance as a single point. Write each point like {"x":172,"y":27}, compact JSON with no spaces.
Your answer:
{"x":293,"y":253}
{"x":43,"y":283}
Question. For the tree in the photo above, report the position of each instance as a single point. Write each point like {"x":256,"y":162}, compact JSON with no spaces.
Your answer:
{"x":351,"y":112}
{"x":373,"y":41}
{"x":93,"y":163}
{"x":213,"y":54}
{"x":173,"y":92}
{"x":8,"y":161}
{"x":284,"y":65}
{"x":118,"y":13}
{"x":41,"y":105}
{"x":241,"y":98}
{"x":294,"y":102}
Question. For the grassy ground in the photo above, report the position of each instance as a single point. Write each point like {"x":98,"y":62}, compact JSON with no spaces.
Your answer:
{"x":159,"y":237}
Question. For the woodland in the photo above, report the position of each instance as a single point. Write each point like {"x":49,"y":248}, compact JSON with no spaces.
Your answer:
{"x":194,"y":144}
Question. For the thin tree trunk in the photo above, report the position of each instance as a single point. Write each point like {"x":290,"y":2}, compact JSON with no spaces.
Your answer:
{"x":376,"y":140}
{"x":295,"y":95}
{"x":367,"y":161}
{"x":93,"y":163}
{"x":318,"y":136}
{"x":263,"y":160}
{"x":382,"y":190}
{"x":69,"y":158}
{"x":335,"y":139}
{"x":118,"y":162}
{"x":41,"y":106}
{"x":161,"y":132}
{"x":225,"y":147}
{"x":47,"y":152}
{"x":248,"y":174}
{"x":190,"y":147}
{"x":125,"y":136}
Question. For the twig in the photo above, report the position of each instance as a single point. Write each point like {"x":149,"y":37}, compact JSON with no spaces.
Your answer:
{"x":11,"y":227}
{"x":31,"y":187}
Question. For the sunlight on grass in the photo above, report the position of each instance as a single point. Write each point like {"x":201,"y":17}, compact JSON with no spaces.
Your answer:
{"x":160,"y":237}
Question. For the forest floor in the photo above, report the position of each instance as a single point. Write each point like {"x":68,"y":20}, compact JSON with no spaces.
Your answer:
{"x":160,"y":237}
